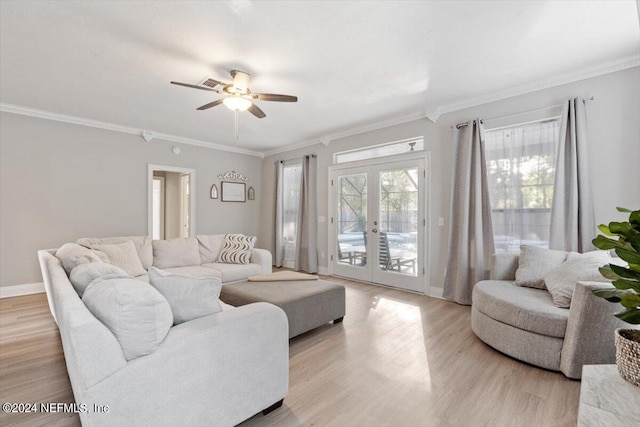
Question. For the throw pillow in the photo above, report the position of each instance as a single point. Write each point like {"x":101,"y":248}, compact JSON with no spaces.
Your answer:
{"x":136,"y":313}
{"x":142,"y":243}
{"x":189,"y":297}
{"x":72,"y":255}
{"x":178,"y":252}
{"x":210,"y":246}
{"x":534,"y":263}
{"x":82,"y":275}
{"x":237,"y":249}
{"x":578,"y":267}
{"x":123,"y":255}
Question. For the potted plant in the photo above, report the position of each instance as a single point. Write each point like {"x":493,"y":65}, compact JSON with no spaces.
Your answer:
{"x":624,"y":239}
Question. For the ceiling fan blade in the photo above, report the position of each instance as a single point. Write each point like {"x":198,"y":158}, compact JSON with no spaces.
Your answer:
{"x":195,"y":86}
{"x":274,"y":97}
{"x":256,"y":111}
{"x":211,"y":104}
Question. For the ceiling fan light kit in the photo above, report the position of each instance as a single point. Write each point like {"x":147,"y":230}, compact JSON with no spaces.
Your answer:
{"x":237,"y":95}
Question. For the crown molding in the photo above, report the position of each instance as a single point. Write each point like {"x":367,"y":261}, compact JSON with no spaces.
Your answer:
{"x":562,"y":79}
{"x":326,"y":139}
{"x":48,"y":115}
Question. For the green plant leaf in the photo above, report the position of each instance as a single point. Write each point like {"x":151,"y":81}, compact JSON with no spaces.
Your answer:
{"x":630,"y":300}
{"x":634,"y":219}
{"x":606,"y":243}
{"x":619,"y":209}
{"x":605,"y":230}
{"x":621,"y":229}
{"x":608,"y":273}
{"x":630,"y":315}
{"x":634,"y":241}
{"x":627,"y":284}
{"x":612,"y":295}
{"x":632,"y":257}
{"x":623,"y":272}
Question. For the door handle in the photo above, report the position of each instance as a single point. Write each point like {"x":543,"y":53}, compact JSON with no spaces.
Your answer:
{"x":375,"y":230}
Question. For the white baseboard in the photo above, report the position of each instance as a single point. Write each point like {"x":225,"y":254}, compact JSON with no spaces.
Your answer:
{"x":436,"y":292}
{"x":18,"y":290}
{"x":323,"y":270}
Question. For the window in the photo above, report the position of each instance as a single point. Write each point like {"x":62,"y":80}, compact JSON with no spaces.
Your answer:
{"x":521,"y":171}
{"x":290,"y":208}
{"x":158,"y":208}
{"x":383,"y":150}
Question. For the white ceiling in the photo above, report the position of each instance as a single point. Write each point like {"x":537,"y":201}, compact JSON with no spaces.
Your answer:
{"x":351,"y":63}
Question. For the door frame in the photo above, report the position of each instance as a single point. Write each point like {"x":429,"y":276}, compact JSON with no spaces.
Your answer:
{"x":192,"y":192}
{"x":425,"y":263}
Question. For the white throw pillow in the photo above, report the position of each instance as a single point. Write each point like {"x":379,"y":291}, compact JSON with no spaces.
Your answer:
{"x":562,"y":280}
{"x":72,"y":255}
{"x":82,"y":275}
{"x":189,"y":297}
{"x":136,"y":313}
{"x":237,"y":249}
{"x":178,"y":252}
{"x":142,"y":243}
{"x":534,"y":263}
{"x":210,"y":246}
{"x":123,"y":255}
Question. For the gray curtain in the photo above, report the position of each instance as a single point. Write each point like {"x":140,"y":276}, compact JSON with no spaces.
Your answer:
{"x":572,"y":216}
{"x":278,"y":247}
{"x":471,"y":237}
{"x":307,"y":232}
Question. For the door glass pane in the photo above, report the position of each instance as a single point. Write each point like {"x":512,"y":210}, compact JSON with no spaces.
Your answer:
{"x":398,"y":221}
{"x":352,"y":219}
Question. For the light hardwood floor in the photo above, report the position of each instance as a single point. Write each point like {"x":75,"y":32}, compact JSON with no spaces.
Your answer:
{"x":398,"y":359}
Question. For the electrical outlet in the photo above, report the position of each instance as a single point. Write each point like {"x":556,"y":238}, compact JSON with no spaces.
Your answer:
{"x":441,"y":221}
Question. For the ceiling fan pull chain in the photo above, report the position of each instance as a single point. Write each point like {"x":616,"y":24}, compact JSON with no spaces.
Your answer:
{"x":236,"y":124}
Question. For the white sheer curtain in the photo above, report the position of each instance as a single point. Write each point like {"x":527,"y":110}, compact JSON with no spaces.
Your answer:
{"x":290,"y":207}
{"x":521,"y":171}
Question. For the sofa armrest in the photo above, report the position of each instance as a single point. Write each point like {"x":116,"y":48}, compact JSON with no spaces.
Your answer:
{"x":216,"y":370}
{"x":503,"y":267}
{"x":589,"y":338}
{"x":262,"y":257}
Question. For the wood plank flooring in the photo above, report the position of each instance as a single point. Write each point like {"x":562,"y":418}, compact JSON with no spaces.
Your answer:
{"x":398,"y":359}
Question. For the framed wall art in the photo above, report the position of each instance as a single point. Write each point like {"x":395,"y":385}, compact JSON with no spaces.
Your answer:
{"x":233,"y":191}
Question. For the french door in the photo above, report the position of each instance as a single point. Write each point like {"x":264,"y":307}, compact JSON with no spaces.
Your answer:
{"x":377,"y":223}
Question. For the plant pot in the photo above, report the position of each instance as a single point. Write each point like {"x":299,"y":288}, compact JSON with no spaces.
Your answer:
{"x":628,"y":354}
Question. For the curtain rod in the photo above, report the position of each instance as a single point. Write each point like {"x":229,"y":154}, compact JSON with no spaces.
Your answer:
{"x":296,"y":158}
{"x":463,"y":124}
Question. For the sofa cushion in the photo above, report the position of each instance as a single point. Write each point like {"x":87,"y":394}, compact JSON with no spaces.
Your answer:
{"x":534,"y":263}
{"x":578,"y":267}
{"x":210,"y":246}
{"x":178,"y":252}
{"x":233,"y":272}
{"x":194,"y":271}
{"x":137,"y":314}
{"x":72,"y":255}
{"x":82,"y":275}
{"x":123,"y":255}
{"x":142,"y":244}
{"x":237,"y":249}
{"x":189,"y":297}
{"x":524,"y":308}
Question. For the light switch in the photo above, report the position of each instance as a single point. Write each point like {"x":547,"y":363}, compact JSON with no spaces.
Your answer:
{"x":321,"y":219}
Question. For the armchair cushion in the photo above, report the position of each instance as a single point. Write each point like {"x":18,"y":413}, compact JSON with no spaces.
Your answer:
{"x":534,"y":263}
{"x":562,"y":280}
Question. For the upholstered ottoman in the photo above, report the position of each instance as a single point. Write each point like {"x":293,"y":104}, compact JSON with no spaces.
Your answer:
{"x":308,"y":303}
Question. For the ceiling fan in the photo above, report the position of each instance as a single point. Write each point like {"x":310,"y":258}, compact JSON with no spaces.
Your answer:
{"x":237,"y":95}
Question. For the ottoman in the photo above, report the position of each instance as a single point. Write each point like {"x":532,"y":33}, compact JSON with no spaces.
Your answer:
{"x":307,"y":303}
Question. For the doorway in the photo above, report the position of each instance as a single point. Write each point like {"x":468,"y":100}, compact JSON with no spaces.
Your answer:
{"x":171,"y":203}
{"x":378,"y":217}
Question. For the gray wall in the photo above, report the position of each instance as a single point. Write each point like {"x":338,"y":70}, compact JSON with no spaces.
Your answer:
{"x":614,"y":150}
{"x":60,"y":181}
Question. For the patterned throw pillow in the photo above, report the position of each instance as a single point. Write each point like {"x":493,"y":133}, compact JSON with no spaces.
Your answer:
{"x":237,"y":249}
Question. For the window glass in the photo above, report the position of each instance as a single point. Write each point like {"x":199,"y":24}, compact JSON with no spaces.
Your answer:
{"x":290,"y":208}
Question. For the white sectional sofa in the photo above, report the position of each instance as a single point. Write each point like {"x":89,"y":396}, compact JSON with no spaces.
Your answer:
{"x":215,"y":370}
